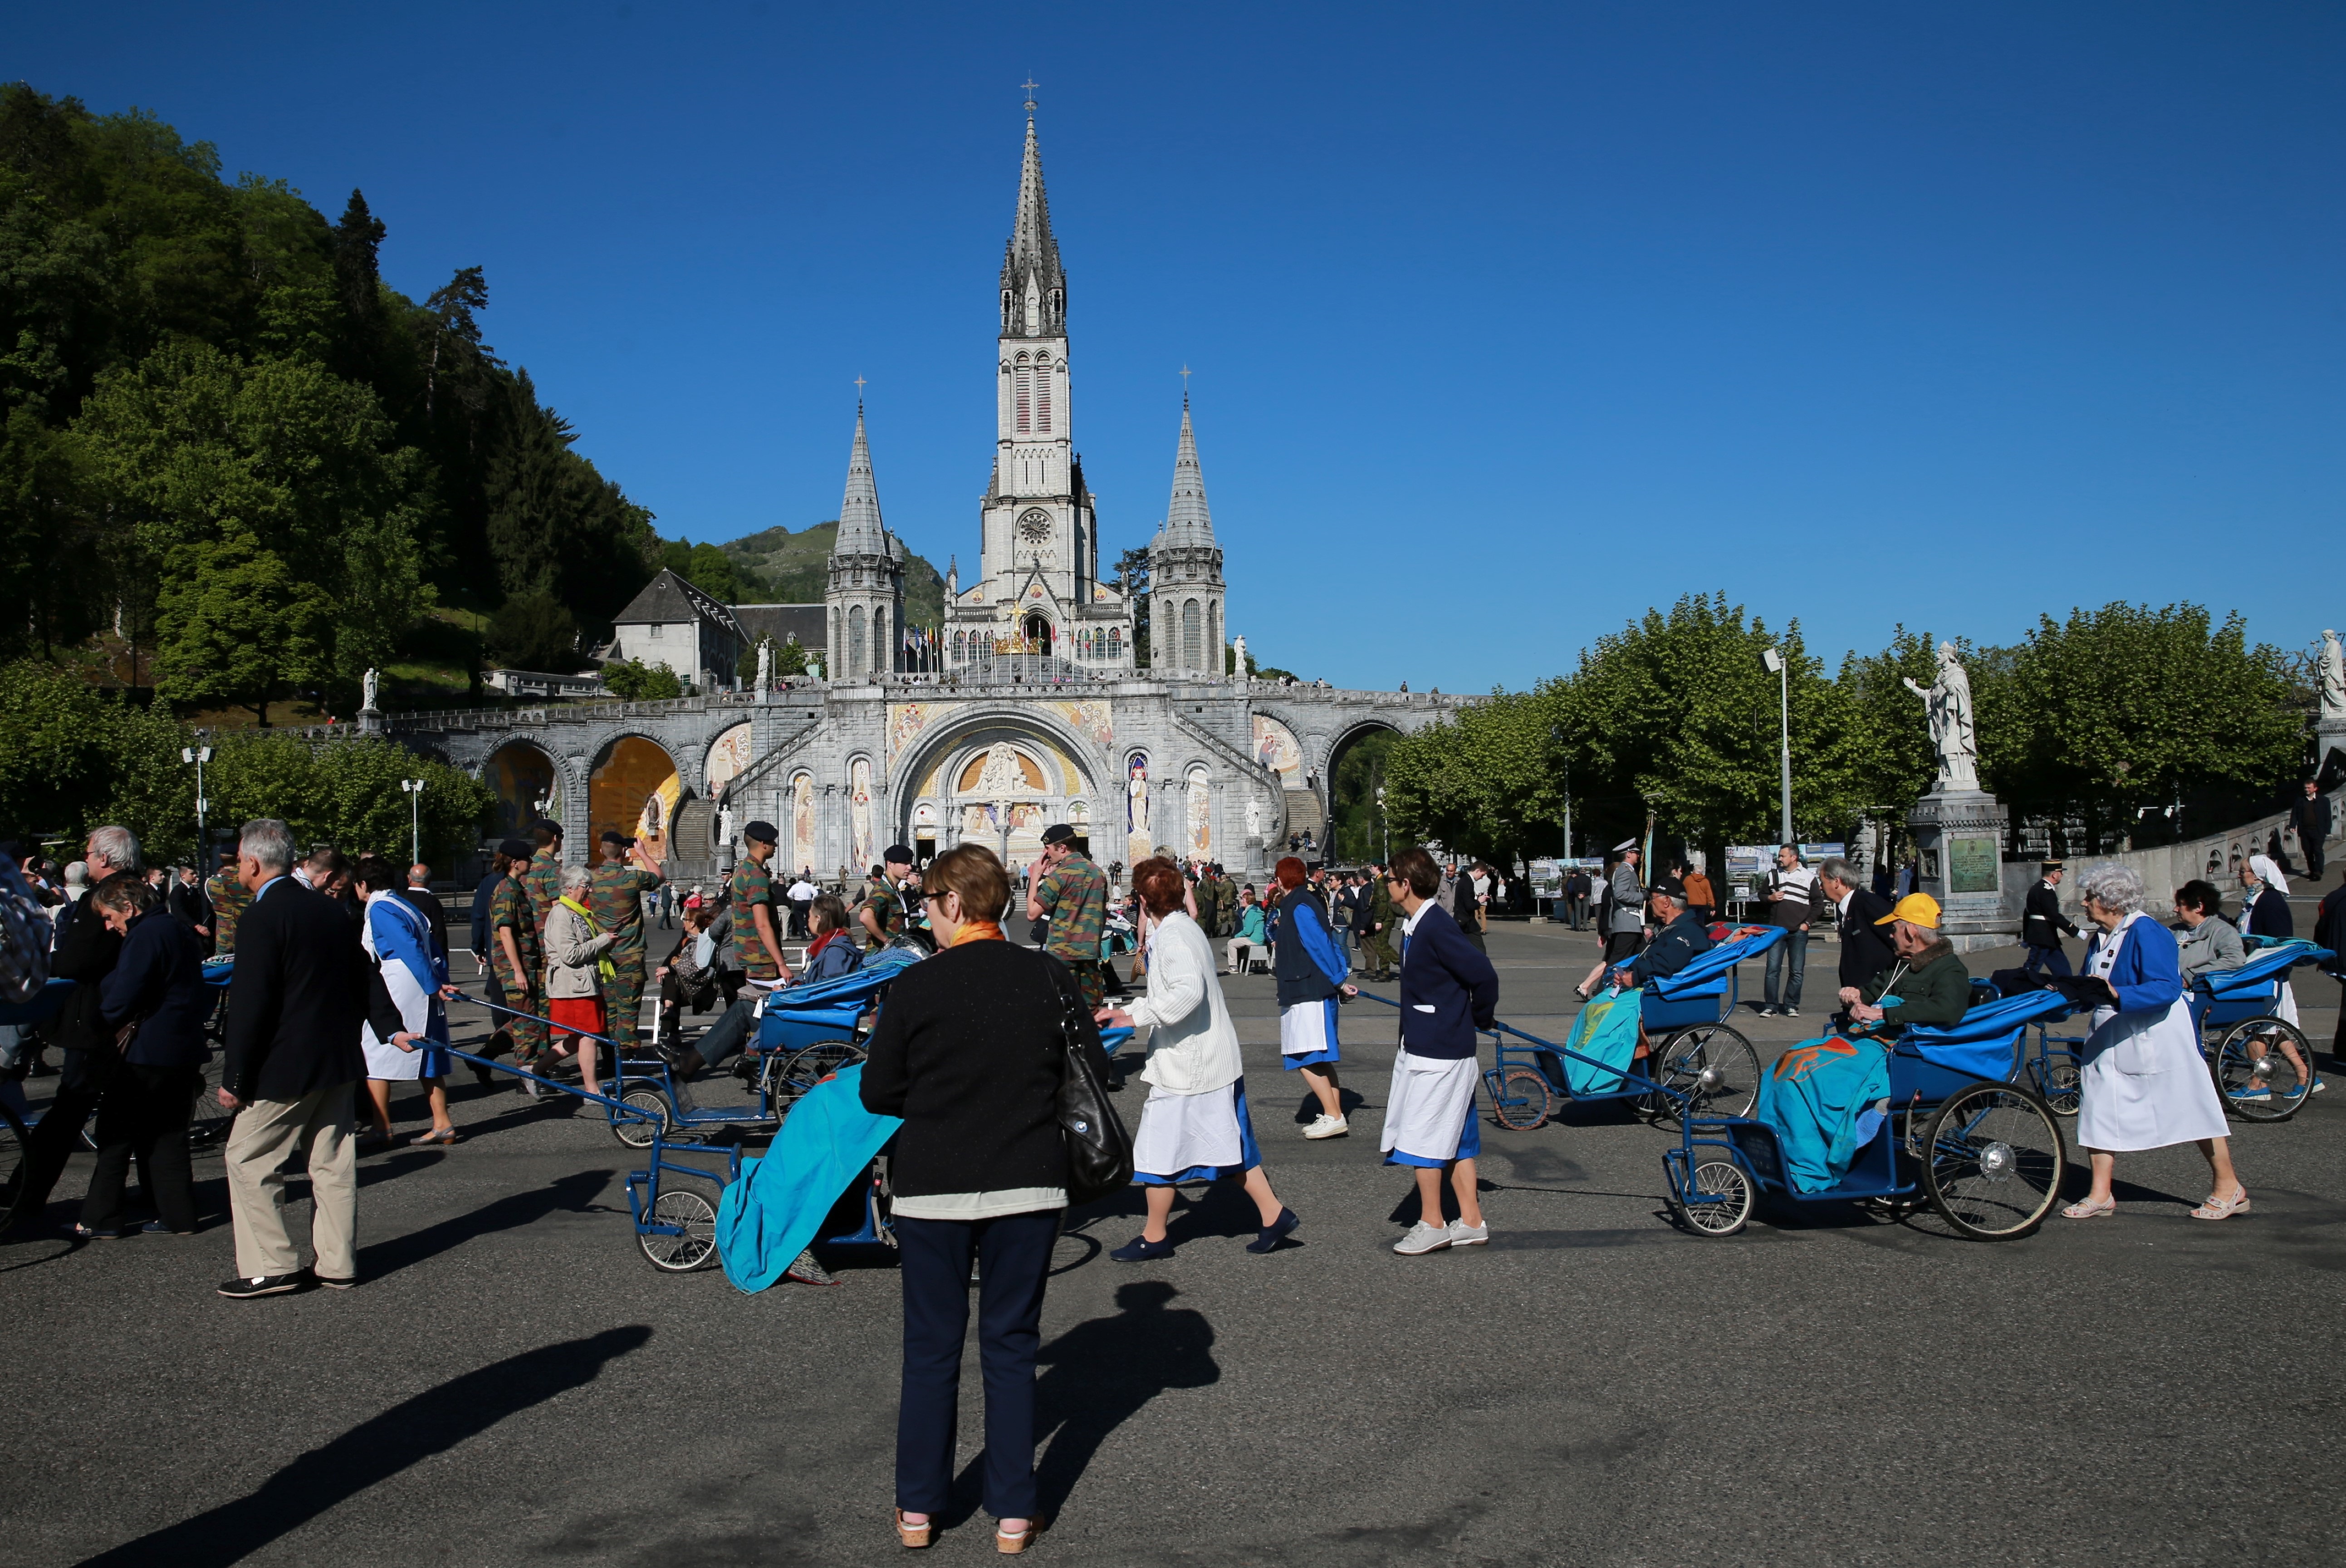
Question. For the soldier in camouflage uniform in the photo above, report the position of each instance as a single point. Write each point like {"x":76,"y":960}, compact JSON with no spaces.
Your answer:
{"x":883,"y":914}
{"x":541,"y":880}
{"x":229,"y":901}
{"x":615,"y":897}
{"x":1071,"y":893}
{"x":752,"y":889}
{"x":516,"y":954}
{"x":1376,"y":931}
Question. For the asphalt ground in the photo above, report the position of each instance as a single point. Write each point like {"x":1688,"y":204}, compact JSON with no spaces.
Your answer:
{"x":511,"y":1382}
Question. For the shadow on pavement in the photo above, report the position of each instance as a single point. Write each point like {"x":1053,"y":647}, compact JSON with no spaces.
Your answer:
{"x":574,"y":1192}
{"x":375,"y":1451}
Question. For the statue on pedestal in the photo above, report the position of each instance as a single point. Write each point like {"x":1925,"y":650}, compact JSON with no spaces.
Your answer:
{"x":765,"y":665}
{"x":367,"y":693}
{"x":1238,"y":645}
{"x":1949,"y":702}
{"x":2332,"y":679}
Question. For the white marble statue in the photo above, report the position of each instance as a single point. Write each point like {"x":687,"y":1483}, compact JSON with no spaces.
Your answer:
{"x":367,"y":693}
{"x":765,"y":665}
{"x":2333,"y":679}
{"x":1238,"y":645}
{"x":1254,"y":818}
{"x":724,"y":824}
{"x":1949,"y":701}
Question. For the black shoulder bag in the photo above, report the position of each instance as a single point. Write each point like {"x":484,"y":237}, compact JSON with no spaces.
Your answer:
{"x":1099,"y":1150}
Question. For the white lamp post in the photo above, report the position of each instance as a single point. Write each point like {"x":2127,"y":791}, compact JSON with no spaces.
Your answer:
{"x":1777,"y":668}
{"x":200,"y":755}
{"x":413,"y":790}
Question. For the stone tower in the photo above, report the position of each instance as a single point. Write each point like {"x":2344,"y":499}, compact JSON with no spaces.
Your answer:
{"x":1185,"y":573}
{"x":866,"y":595}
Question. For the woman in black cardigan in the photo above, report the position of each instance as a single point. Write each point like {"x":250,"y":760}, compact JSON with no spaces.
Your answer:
{"x":968,"y":1053}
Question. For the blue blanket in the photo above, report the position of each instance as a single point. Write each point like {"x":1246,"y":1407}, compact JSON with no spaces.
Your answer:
{"x":1606,"y":1029}
{"x":771,"y":1215}
{"x":1817,"y":1096}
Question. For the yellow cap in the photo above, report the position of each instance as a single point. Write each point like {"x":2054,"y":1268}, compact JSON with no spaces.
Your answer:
{"x":1914,"y":909}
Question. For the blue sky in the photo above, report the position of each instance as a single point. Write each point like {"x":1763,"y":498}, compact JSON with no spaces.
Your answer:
{"x":1506,"y":322}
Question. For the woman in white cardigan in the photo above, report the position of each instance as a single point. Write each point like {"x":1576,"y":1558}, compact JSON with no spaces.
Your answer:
{"x":1194,"y":1127}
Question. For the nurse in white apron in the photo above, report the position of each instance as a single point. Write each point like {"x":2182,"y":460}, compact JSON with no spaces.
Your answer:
{"x":414,"y":973}
{"x":2145,"y":1085}
{"x":1448,"y":990}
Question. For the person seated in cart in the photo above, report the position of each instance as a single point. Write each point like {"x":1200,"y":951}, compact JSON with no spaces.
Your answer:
{"x":1679,"y":936}
{"x":1929,"y":984}
{"x":832,"y":954}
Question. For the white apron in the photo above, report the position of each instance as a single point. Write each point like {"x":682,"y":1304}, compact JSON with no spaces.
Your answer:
{"x":2145,"y":1085}
{"x":1178,"y":1132}
{"x":1426,"y":1110}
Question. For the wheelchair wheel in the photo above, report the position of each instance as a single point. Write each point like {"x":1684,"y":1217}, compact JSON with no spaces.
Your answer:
{"x":2250,"y":1053}
{"x":1519,"y":1099}
{"x":12,"y":1165}
{"x":208,"y":1122}
{"x":1710,"y":1064}
{"x":810,"y":1066}
{"x":693,"y":1245}
{"x":1723,"y":1177}
{"x":2060,"y":1081}
{"x":639,"y":1135}
{"x":1992,"y":1162}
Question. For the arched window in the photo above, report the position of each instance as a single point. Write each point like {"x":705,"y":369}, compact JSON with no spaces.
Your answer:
{"x":1214,"y":637}
{"x":1026,"y":392}
{"x":855,"y":656}
{"x":961,"y":648}
{"x":884,"y":654}
{"x":1043,"y":393}
{"x":1193,"y":635}
{"x":1115,"y":643}
{"x":834,"y":655}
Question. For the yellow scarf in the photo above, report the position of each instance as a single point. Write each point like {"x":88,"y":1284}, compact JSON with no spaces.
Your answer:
{"x":977,"y":931}
{"x":605,"y":970}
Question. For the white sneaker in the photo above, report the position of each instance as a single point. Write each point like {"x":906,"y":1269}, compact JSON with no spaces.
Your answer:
{"x":1465,"y":1235}
{"x":1422,"y":1238}
{"x":1324,"y":1125}
{"x":1787,"y":1012}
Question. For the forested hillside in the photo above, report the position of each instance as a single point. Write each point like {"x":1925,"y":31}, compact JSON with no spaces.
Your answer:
{"x":238,"y":466}
{"x":792,"y":569}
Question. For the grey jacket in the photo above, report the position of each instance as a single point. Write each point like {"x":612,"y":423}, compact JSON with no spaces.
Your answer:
{"x":570,"y":954}
{"x":1628,"y":908}
{"x":2213,"y":944}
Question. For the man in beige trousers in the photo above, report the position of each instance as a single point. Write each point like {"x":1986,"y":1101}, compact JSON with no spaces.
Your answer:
{"x":302,"y":987}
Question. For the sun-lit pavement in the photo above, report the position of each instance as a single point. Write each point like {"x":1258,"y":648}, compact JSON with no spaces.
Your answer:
{"x":512,"y":1383}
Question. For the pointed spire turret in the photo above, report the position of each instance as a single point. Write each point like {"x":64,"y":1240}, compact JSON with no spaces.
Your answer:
{"x":861,"y":532}
{"x":1187,"y":522}
{"x":1033,"y":284}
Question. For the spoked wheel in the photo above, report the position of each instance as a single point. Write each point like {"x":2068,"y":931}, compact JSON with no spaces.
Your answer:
{"x":2061,"y":1080}
{"x":208,"y":1122}
{"x":686,"y":1234}
{"x":1992,"y":1162}
{"x":12,"y":1165}
{"x":1721,"y":1178}
{"x":1710,"y":1064}
{"x":639,"y":1135}
{"x":2256,"y":1076}
{"x":1519,"y":1098}
{"x":810,"y":1066}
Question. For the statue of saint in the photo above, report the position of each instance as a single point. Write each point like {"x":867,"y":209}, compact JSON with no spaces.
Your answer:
{"x":2333,"y":679}
{"x":367,"y":693}
{"x":765,"y":665}
{"x":1949,"y":702}
{"x":1238,"y":645}
{"x":1254,"y":817}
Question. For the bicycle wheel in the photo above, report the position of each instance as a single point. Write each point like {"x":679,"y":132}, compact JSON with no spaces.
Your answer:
{"x":1712,"y":1065}
{"x":1994,"y":1161}
{"x":680,"y":1233}
{"x":208,"y":1122}
{"x":636,"y":1134}
{"x":2256,"y":1075}
{"x":808,"y":1067}
{"x":1519,"y":1098}
{"x":1720,"y":1178}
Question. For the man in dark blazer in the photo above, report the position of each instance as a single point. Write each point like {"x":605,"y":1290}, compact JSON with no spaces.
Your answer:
{"x":2308,"y":814}
{"x":302,"y":987}
{"x":2041,"y":924}
{"x":1865,"y":951}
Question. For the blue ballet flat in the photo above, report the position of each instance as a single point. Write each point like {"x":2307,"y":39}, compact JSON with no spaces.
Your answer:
{"x":1141,"y":1250}
{"x":1269,"y":1237}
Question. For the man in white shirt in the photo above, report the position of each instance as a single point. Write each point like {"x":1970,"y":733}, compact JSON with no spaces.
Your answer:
{"x":1791,"y":896}
{"x":801,"y":895}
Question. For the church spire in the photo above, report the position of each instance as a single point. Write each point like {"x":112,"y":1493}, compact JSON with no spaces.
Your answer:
{"x":1187,"y":519}
{"x":1033,"y":284}
{"x":861,"y":532}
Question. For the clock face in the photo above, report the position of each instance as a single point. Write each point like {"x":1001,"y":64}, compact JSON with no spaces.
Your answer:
{"x":1035,"y":524}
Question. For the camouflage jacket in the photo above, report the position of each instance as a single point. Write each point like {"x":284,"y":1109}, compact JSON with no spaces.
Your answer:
{"x":229,"y":901}
{"x":615,"y":897}
{"x":1073,"y":896}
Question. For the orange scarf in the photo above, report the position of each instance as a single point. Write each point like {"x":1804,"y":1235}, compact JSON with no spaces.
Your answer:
{"x":978,"y":931}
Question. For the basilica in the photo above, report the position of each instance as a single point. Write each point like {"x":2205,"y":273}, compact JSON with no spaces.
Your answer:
{"x":1047,"y":695}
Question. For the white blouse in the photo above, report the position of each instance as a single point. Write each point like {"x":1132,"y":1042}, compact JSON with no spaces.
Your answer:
{"x":1192,"y":1047}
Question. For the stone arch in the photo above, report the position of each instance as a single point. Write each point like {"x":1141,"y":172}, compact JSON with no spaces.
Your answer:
{"x":1347,"y":799}
{"x":521,"y":773}
{"x":920,"y":774}
{"x":635,"y":789}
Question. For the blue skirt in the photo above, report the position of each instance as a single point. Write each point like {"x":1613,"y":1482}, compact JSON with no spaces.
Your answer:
{"x":1307,"y":1035}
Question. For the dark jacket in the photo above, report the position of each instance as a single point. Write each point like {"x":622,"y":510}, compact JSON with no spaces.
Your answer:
{"x":1307,"y":956}
{"x":481,"y":897}
{"x":2043,"y":925}
{"x":1935,"y":987}
{"x":426,"y":902}
{"x":1674,"y":947}
{"x":301,"y":989}
{"x":1448,"y":988}
{"x":2311,"y":819}
{"x":87,"y":951}
{"x":190,"y":904}
{"x":159,"y":980}
{"x":968,"y":1053}
{"x":2329,"y":929}
{"x":1865,"y":950}
{"x":2268,"y":915}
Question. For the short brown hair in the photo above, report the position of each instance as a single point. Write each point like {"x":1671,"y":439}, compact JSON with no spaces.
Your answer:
{"x":126,"y":894}
{"x":1416,"y":867}
{"x":377,"y":872}
{"x":970,"y":870}
{"x":1290,"y":872}
{"x":1157,"y":880}
{"x":829,"y":912}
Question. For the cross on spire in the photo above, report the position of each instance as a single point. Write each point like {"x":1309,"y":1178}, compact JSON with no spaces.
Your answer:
{"x":1185,"y":386}
{"x":860,"y":385}
{"x":1029,"y":84}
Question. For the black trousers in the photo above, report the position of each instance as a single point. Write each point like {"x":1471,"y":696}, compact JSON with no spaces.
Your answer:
{"x":1013,"y":1255}
{"x":57,"y":1134}
{"x":145,"y":1114}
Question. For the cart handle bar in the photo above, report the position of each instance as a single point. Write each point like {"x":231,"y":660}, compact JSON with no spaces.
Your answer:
{"x":621,"y":1108}
{"x":1630,"y":1074}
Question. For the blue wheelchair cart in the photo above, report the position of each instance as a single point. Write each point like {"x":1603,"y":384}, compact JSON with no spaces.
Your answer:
{"x":1966,"y":1131}
{"x":2263,"y":1065}
{"x":1695,"y":1059}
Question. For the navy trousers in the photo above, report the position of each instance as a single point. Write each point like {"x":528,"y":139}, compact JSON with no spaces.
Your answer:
{"x":1014,"y":1254}
{"x":2054,"y":960}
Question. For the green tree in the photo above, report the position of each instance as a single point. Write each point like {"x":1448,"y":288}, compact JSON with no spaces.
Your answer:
{"x":51,"y":747}
{"x":534,"y":630}
{"x":635,"y":681}
{"x":238,"y":627}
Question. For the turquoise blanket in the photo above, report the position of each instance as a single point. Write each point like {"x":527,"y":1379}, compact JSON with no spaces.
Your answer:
{"x":1605,"y":1030}
{"x":770,"y":1214}
{"x":1817,"y":1096}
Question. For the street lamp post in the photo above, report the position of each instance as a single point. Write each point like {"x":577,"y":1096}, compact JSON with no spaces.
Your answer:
{"x":1384,"y":828}
{"x":413,"y":790}
{"x":1781,"y":671}
{"x":200,"y":754}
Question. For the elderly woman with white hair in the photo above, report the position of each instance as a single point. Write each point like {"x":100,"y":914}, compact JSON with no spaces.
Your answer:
{"x":578,"y":964}
{"x":2145,"y":1085}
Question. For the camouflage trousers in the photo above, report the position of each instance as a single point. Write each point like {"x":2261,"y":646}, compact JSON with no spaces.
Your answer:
{"x":623,"y":1001}
{"x":527,"y":1034}
{"x":1091,"y":980}
{"x":1379,"y":952}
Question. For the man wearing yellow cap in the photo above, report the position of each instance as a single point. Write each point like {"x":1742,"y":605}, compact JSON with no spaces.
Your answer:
{"x":1928,"y":984}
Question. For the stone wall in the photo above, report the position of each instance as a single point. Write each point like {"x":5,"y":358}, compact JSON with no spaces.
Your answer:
{"x":2216,"y":858}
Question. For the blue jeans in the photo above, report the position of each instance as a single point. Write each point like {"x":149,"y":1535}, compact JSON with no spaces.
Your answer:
{"x":2054,"y":959}
{"x":1794,"y":946}
{"x":1014,"y":1259}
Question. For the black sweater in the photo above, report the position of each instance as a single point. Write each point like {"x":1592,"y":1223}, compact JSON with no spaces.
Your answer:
{"x":967,"y":1051}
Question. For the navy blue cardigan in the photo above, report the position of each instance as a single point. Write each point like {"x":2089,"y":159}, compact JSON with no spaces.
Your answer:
{"x":1447,"y":989}
{"x":159,"y":980}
